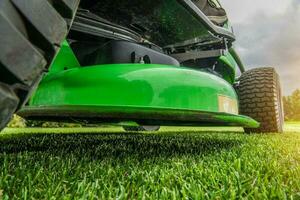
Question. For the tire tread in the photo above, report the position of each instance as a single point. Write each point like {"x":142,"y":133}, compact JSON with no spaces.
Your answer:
{"x":31,"y":32}
{"x":259,"y":98}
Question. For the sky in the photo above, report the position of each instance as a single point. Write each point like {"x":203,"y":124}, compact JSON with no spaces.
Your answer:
{"x":268,"y":34}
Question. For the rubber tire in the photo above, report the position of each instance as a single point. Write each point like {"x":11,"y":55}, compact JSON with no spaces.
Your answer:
{"x":260,"y":97}
{"x":141,"y":128}
{"x":31,"y":32}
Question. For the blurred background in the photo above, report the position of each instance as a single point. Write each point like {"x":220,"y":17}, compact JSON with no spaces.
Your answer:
{"x":268,"y":34}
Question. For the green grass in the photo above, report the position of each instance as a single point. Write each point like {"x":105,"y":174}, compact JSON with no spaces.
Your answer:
{"x":176,"y":163}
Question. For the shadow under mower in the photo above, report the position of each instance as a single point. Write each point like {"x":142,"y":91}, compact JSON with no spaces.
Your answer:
{"x":143,"y":64}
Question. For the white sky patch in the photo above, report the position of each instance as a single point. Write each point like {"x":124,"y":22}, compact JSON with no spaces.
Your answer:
{"x":242,"y":10}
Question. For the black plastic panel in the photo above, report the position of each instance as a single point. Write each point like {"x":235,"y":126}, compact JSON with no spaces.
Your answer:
{"x":117,"y":52}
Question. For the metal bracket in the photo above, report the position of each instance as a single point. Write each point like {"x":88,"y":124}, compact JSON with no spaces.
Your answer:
{"x":181,"y":57}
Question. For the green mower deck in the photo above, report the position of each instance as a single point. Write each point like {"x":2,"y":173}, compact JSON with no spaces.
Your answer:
{"x":133,"y":116}
{"x":147,"y":94}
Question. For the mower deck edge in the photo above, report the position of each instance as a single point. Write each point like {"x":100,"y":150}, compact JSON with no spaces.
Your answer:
{"x":140,"y":115}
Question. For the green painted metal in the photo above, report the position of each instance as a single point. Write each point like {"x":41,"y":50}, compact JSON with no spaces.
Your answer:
{"x":134,"y":85}
{"x":65,"y":59}
{"x":122,"y":93}
{"x":237,"y":59}
{"x":141,"y":90}
{"x":228,"y":67}
{"x":135,"y":115}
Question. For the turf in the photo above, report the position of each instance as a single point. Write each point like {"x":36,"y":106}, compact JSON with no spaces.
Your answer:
{"x":175,"y":163}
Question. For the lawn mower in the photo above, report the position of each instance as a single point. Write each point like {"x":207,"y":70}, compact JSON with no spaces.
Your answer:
{"x":138,"y":64}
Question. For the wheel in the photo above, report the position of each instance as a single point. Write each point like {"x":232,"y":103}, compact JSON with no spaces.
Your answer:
{"x":260,"y":97}
{"x":31,"y":33}
{"x":141,"y":128}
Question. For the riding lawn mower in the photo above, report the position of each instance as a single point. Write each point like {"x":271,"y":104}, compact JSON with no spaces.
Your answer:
{"x":138,"y":64}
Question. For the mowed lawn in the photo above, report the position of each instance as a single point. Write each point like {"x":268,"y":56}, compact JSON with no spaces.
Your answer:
{"x":175,"y":163}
